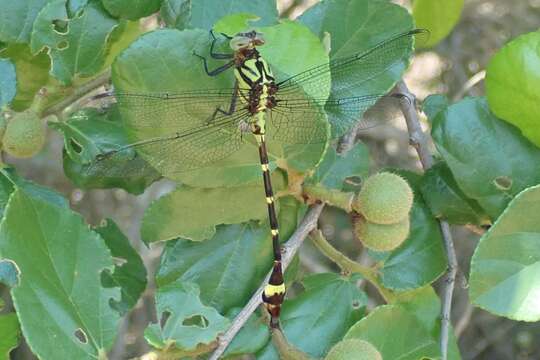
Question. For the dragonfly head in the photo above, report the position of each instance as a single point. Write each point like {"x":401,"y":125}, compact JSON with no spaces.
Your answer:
{"x":246,"y":40}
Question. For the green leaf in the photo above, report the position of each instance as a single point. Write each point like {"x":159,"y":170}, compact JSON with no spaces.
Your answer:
{"x":81,"y":49}
{"x":505,"y":267}
{"x":437,"y":16}
{"x":17,"y":18}
{"x":193,"y":213}
{"x":75,"y":5}
{"x":9,"y":334}
{"x":446,"y":200}
{"x":425,"y":305}
{"x":8,"y":82}
{"x":227,"y":267}
{"x":32,"y":73}
{"x":473,"y":141}
{"x":433,"y":104}
{"x":131,"y":9}
{"x":179,"y":70}
{"x":202,"y":14}
{"x":319,"y":317}
{"x":420,"y":260}
{"x":90,"y":132}
{"x":511,"y":82}
{"x":45,"y":32}
{"x":235,"y":23}
{"x":60,"y":292}
{"x":353,"y":27}
{"x":396,"y":333}
{"x":251,"y":338}
{"x":6,"y":189}
{"x":9,"y":274}
{"x":129,"y":271}
{"x":122,"y":36}
{"x":186,"y":322}
{"x":334,"y":169}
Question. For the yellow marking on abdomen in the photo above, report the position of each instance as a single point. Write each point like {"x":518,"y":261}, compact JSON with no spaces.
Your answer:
{"x":270,"y":290}
{"x":269,"y":199}
{"x":274,"y":232}
{"x":265,"y":167}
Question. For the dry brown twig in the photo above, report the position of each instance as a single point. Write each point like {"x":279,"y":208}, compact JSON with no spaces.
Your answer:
{"x":419,"y":141}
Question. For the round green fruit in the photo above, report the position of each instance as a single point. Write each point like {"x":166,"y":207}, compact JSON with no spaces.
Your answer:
{"x":25,"y":135}
{"x":385,"y":198}
{"x":353,"y":349}
{"x":381,"y":237}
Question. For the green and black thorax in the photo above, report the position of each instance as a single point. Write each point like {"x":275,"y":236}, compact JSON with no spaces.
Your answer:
{"x":254,"y":75}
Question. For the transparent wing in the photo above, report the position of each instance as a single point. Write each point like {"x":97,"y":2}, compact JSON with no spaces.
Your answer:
{"x":169,"y":113}
{"x":351,"y":71}
{"x":351,"y":78}
{"x":178,"y":132}
{"x":347,"y":112}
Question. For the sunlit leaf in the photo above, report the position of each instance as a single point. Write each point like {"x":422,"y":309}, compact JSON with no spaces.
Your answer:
{"x":512,"y":78}
{"x":505,"y":268}
{"x":59,"y":292}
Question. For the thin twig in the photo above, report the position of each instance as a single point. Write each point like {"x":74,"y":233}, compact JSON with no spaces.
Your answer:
{"x":469,"y":84}
{"x":308,"y":223}
{"x":419,"y":141}
{"x":79,"y":92}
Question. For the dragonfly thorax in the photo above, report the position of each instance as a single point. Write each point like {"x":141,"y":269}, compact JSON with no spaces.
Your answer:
{"x":256,"y":83}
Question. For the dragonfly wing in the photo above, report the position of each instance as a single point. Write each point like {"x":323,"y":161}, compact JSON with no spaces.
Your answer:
{"x":197,"y":149}
{"x":149,"y":115}
{"x":297,"y":119}
{"x":353,"y":78}
{"x":180,"y":132}
{"x":294,"y":119}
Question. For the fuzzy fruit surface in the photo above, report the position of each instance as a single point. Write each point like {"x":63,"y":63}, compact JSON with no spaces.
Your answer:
{"x":385,"y":198}
{"x":353,"y":349}
{"x":25,"y":135}
{"x":381,"y":237}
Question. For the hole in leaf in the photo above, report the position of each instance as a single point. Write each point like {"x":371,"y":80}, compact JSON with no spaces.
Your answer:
{"x":81,"y":336}
{"x":60,"y":26}
{"x":62,"y":45}
{"x":164,"y":317}
{"x":75,"y":146}
{"x":196,"y":320}
{"x":503,"y":182}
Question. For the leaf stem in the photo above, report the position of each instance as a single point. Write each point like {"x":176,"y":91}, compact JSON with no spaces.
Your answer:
{"x":340,"y":199}
{"x":81,"y":91}
{"x":349,"y":265}
{"x":419,"y":141}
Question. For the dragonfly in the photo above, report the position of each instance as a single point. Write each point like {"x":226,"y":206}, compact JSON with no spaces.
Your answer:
{"x":210,"y":125}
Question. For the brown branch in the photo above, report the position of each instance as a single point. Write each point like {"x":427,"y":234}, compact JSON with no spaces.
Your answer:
{"x":309,"y":222}
{"x":419,"y":141}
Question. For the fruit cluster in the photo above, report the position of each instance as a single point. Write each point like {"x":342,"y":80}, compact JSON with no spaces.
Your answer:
{"x":383,"y":206}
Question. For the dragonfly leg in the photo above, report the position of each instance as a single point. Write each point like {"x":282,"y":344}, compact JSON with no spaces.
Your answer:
{"x":230,"y":110}
{"x":216,"y":71}
{"x":215,"y":55}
